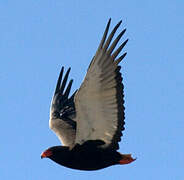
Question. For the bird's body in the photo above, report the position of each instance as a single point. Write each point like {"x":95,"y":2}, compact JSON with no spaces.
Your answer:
{"x":87,"y":156}
{"x":84,"y":158}
{"x":89,"y":123}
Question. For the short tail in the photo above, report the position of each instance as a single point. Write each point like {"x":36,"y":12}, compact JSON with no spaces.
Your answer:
{"x":126,"y":159}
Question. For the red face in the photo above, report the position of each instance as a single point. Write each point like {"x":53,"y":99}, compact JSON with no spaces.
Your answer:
{"x":46,"y":153}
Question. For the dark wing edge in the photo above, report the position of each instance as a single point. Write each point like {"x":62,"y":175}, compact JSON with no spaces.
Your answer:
{"x":119,"y":79}
{"x":62,"y":105}
{"x":121,"y":110}
{"x":62,"y":111}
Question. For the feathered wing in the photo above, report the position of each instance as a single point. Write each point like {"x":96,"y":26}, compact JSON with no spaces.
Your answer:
{"x":99,"y":101}
{"x":62,"y":111}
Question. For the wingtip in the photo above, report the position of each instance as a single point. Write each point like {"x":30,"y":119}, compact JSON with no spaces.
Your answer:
{"x":68,"y":69}
{"x":62,"y":68}
{"x":117,"y":61}
{"x":109,"y":21}
{"x":124,"y":30}
{"x":119,"y":23}
{"x":108,"y":24}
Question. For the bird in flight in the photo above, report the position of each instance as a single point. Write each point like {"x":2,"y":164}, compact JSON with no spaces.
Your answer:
{"x":89,"y":123}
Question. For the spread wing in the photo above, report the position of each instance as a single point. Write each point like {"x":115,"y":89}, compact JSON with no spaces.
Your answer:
{"x":99,"y":101}
{"x":62,"y":111}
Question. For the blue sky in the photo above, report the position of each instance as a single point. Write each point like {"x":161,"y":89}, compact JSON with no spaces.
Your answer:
{"x":38,"y":37}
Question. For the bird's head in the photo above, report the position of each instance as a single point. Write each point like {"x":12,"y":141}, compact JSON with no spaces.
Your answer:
{"x":47,"y":153}
{"x":55,"y":151}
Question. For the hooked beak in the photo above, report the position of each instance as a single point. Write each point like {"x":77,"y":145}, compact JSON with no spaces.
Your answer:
{"x":46,"y":154}
{"x":43,"y":156}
